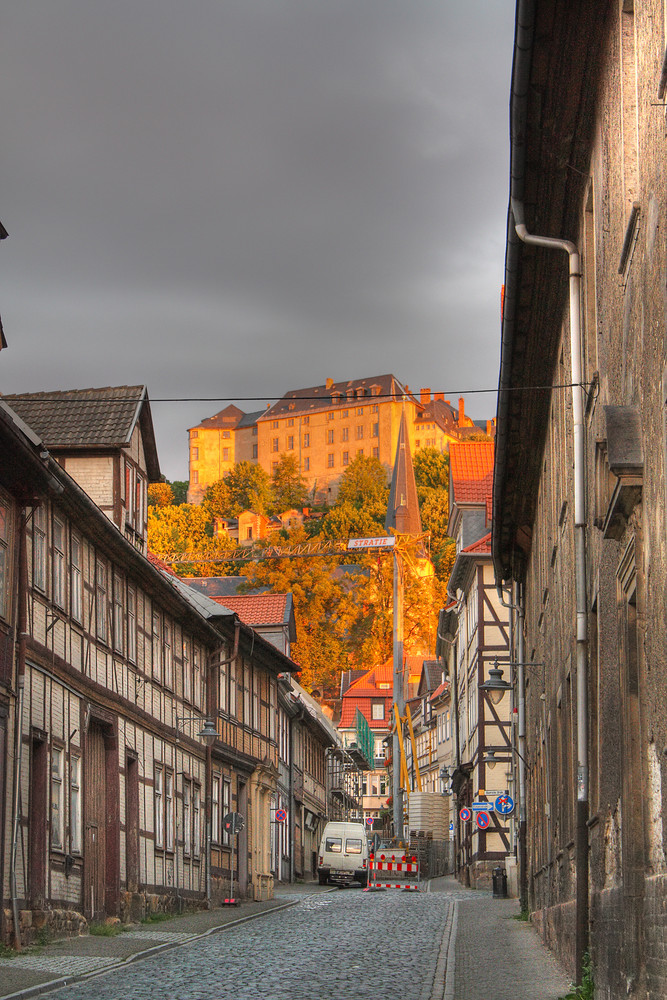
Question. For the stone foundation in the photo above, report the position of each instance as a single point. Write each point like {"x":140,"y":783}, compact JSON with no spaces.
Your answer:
{"x":41,"y":926}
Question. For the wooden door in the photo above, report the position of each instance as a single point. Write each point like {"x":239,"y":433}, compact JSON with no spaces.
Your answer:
{"x":132,"y":823}
{"x":94,"y":868}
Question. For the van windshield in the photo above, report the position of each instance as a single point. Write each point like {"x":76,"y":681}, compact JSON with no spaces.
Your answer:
{"x":353,"y":847}
{"x":334,"y":845}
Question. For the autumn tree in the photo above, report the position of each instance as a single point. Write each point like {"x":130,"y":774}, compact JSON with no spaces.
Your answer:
{"x":180,"y":488}
{"x":364,"y":483}
{"x":289,"y":488}
{"x":432,"y":479}
{"x":176,"y":530}
{"x":245,"y":487}
{"x":160,"y":495}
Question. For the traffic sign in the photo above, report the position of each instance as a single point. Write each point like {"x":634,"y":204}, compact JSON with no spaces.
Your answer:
{"x":465,"y":814}
{"x":369,"y":821}
{"x":482,"y":807}
{"x":482,"y":819}
{"x":504,"y":804}
{"x":281,"y":815}
{"x":381,"y":542}
{"x":233,"y":822}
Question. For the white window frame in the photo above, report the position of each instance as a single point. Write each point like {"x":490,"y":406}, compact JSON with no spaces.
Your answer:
{"x":39,"y":549}
{"x":76,"y":578}
{"x":131,"y":625}
{"x":5,"y":559}
{"x":75,"y":815}
{"x":57,"y":799}
{"x":59,"y":562}
{"x":118,"y":613}
{"x":101,"y":597}
{"x":158,"y":801}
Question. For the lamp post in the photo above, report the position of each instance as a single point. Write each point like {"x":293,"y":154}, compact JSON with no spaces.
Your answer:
{"x":209,"y":734}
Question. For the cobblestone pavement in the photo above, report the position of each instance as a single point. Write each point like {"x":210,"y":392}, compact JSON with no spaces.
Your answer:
{"x":330,"y":946}
{"x":446,"y":943}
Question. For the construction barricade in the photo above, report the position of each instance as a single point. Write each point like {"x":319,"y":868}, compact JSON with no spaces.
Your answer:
{"x":397,"y":870}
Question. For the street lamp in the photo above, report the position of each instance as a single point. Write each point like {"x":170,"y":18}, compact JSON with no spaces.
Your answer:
{"x":208,"y":732}
{"x":495,"y":686}
{"x":491,"y":760}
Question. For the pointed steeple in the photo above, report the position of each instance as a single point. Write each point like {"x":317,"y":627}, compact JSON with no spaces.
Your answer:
{"x":403,"y":509}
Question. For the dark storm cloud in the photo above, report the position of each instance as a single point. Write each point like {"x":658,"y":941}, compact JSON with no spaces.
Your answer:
{"x":236,"y":198}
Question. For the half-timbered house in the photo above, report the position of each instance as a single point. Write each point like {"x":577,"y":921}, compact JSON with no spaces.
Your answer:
{"x":109,"y":669}
{"x":479,"y":627}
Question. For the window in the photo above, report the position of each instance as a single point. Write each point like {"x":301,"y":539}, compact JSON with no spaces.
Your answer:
{"x":275,"y":445}
{"x":232,"y":688}
{"x":159,"y":808}
{"x":330,"y":461}
{"x":194,"y":434}
{"x":226,"y":435}
{"x":254,"y":451}
{"x":306,"y":464}
{"x":330,"y":415}
{"x":5,"y":559}
{"x":118,"y":614}
{"x":58,"y":563}
{"x":39,"y":548}
{"x":246,"y":696}
{"x":360,"y":411}
{"x":155,"y":644}
{"x":76,"y":579}
{"x":101,"y":601}
{"x":346,"y":458}
{"x":168,"y":657}
{"x":194,"y":476}
{"x":275,"y":424}
{"x":377,"y":710}
{"x":187,"y":671}
{"x":195,"y":454}
{"x":353,"y":845}
{"x":360,"y":451}
{"x":57,"y":818}
{"x":75,"y":804}
{"x":132,"y":625}
{"x":215,"y":809}
{"x":290,"y":422}
{"x":376,"y":452}
{"x":334,"y":845}
{"x":226,"y":805}
{"x":343,"y":414}
{"x":187,"y":818}
{"x":225,"y":454}
{"x":376,"y":430}
{"x":223,"y":687}
{"x":290,"y":442}
{"x":197,"y":679}
{"x":330,"y":437}
{"x":255,"y":709}
{"x":196,"y":821}
{"x":306,"y":440}
{"x":305,"y":420}
{"x":374,"y":408}
{"x":345,"y":435}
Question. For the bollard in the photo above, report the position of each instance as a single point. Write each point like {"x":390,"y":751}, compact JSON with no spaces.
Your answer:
{"x":499,"y":883}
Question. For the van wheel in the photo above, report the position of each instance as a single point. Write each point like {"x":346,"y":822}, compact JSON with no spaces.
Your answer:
{"x":323,"y":879}
{"x":363,"y":881}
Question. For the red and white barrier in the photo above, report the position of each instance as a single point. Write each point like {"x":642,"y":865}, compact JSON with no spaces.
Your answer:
{"x":397,"y":864}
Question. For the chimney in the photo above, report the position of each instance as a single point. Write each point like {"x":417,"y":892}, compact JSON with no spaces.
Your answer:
{"x":462,"y":412}
{"x":439,"y":396}
{"x":330,"y":383}
{"x":449,"y":402}
{"x":425,"y":396}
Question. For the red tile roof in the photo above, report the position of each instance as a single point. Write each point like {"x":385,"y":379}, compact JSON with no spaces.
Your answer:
{"x":481,"y":546}
{"x":444,"y":687}
{"x":471,"y":465}
{"x":257,"y":609}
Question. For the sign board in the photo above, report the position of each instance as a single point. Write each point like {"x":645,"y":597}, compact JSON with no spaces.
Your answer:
{"x":465,"y":814}
{"x":504,"y":804}
{"x":281,"y":815}
{"x":369,"y":821}
{"x":482,"y":807}
{"x":482,"y":819}
{"x":233,"y":822}
{"x":381,"y":542}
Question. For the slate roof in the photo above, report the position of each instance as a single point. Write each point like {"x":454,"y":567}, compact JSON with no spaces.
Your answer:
{"x":231,"y":417}
{"x":319,"y":397}
{"x":220,"y":586}
{"x":403,"y":506}
{"x":471,"y":469}
{"x":440,"y":412}
{"x":84,"y":419}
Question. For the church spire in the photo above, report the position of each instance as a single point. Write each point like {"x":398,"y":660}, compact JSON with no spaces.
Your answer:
{"x":403,"y":509}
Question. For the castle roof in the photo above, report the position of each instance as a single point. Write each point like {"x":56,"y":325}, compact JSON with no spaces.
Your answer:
{"x":323,"y":397}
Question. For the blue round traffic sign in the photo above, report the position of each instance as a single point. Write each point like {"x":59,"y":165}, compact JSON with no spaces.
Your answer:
{"x":465,"y":814}
{"x":281,"y":815}
{"x":482,"y":819}
{"x":504,"y":804}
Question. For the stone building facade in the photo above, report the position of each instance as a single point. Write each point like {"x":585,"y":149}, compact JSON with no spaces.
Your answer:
{"x":580,"y":529}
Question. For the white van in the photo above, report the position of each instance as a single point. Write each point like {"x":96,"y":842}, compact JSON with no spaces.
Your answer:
{"x":343,"y":854}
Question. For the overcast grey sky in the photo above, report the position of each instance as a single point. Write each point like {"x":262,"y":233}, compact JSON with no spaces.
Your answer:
{"x":232,"y":198}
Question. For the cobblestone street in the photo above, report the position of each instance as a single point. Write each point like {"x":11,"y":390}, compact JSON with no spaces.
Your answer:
{"x":333,"y":946}
{"x":445,"y":943}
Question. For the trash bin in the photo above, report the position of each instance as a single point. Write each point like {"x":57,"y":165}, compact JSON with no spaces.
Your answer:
{"x":499,"y":883}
